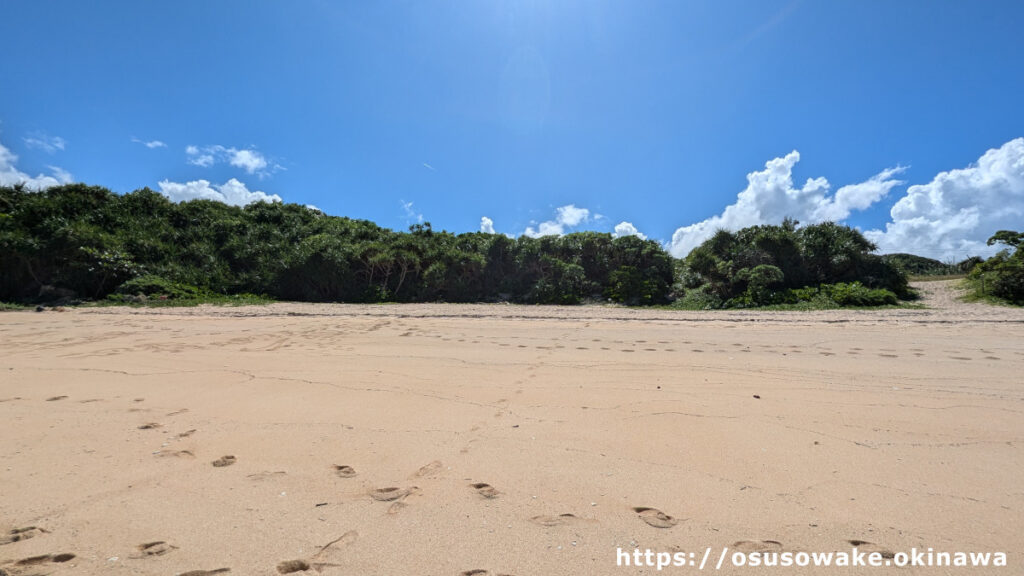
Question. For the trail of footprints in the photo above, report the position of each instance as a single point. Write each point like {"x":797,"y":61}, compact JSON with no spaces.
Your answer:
{"x":630,"y":347}
{"x":396,"y":496}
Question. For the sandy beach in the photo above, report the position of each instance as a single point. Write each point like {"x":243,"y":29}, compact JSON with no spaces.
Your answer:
{"x":445,"y":439}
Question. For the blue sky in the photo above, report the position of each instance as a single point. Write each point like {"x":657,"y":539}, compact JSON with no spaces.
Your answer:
{"x":651,"y":113}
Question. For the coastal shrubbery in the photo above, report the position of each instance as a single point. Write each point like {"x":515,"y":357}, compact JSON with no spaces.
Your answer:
{"x":827,"y":263}
{"x":1001,"y":276}
{"x":79,"y":242}
{"x":84,"y":242}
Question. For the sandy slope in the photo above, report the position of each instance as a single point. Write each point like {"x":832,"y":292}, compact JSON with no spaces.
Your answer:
{"x":902,"y":428}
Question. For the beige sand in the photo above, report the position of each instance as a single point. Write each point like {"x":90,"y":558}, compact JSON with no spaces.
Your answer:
{"x":436,"y":439}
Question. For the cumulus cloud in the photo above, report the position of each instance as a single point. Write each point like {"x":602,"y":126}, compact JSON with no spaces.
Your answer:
{"x":41,"y":141}
{"x":231,"y":192}
{"x":770,"y":196}
{"x":486,"y":225}
{"x":150,"y":144}
{"x":11,"y":176}
{"x":248,"y":159}
{"x":568,"y":216}
{"x":952,"y":216}
{"x":627,"y":229}
{"x":571,"y":215}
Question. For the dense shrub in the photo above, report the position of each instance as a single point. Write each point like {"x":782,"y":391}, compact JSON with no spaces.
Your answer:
{"x":767,"y":265}
{"x":154,"y":286}
{"x":1002,"y":275}
{"x":85,"y":241}
{"x":856,"y":294}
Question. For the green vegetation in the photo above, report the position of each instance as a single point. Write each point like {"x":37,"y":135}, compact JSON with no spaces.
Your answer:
{"x":1001,"y":277}
{"x":817,"y":266}
{"x":919,"y":266}
{"x":78,"y":242}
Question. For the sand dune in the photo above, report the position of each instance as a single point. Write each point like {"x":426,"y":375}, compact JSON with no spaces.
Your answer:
{"x":494,"y":439}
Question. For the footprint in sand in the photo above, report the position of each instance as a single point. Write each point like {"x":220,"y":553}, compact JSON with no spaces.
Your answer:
{"x":206,"y":572}
{"x":429,"y":469}
{"x":343,"y":471}
{"x":158,"y":548}
{"x":655,"y":517}
{"x":485,"y":490}
{"x":391,"y":493}
{"x":40,"y":560}
{"x":479,"y":572}
{"x":150,"y":426}
{"x":19,"y":534}
{"x":560,"y":520}
{"x":186,"y":433}
{"x":223,"y":461}
{"x":55,"y":398}
{"x":748,"y":546}
{"x":871,"y":547}
{"x":176,"y":412}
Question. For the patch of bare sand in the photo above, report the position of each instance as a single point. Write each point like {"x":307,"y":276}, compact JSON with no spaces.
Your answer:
{"x":446,"y":439}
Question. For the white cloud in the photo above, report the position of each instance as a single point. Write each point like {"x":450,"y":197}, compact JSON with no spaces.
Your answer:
{"x":410,"y":214}
{"x":429,"y":167}
{"x":568,"y":216}
{"x":152,"y":143}
{"x":770,"y":197}
{"x":231,"y":192}
{"x":45,"y":143}
{"x":952,"y":216}
{"x":571,"y":215}
{"x":60,"y":174}
{"x":627,"y":229}
{"x":11,"y":176}
{"x":248,"y":159}
{"x":486,"y":225}
{"x":197,"y":158}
